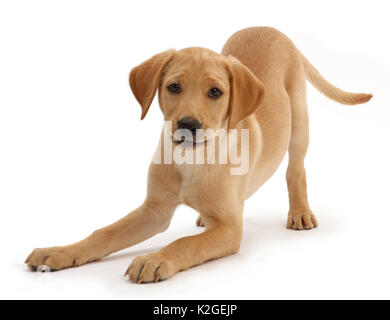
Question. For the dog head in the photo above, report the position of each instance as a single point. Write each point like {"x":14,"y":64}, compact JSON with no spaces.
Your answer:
{"x":198,"y":89}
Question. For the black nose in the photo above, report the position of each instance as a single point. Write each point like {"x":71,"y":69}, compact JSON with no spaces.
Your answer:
{"x":190,"y":124}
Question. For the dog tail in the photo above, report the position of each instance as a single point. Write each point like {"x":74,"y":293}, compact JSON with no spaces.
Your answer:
{"x":329,"y":90}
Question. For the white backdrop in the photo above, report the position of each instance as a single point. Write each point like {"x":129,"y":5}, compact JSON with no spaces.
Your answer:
{"x":68,"y":123}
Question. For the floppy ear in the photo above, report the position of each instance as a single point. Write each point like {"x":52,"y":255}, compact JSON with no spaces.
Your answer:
{"x":144,"y":79}
{"x":246,"y":91}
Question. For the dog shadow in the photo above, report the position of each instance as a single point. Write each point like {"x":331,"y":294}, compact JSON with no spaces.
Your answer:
{"x":268,"y":230}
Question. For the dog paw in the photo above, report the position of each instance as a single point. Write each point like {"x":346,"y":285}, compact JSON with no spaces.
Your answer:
{"x":304,"y":221}
{"x":200,"y":222}
{"x":150,"y":268}
{"x":55,"y":258}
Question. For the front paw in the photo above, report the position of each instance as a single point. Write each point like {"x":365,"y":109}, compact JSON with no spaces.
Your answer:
{"x":301,"y":221}
{"x":56,"y":258}
{"x":149,"y":268}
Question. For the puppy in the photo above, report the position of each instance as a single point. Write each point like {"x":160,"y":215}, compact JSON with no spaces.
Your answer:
{"x":257,"y":86}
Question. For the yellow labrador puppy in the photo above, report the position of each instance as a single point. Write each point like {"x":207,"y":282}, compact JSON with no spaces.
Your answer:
{"x":258,"y":83}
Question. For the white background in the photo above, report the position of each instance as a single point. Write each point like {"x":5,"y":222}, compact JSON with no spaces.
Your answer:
{"x":74,"y":154}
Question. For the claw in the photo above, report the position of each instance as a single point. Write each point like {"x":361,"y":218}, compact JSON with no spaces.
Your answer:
{"x":32,"y":268}
{"x":76,"y":262}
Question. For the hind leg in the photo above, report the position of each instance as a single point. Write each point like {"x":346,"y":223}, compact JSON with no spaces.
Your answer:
{"x":300,"y":216}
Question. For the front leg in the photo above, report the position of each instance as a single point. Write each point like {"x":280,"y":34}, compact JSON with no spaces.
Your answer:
{"x":141,"y":224}
{"x":149,"y":219}
{"x":221,"y":238}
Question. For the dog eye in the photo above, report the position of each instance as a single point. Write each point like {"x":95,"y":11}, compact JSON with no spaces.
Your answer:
{"x":174,"y":88}
{"x":215,"y":93}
